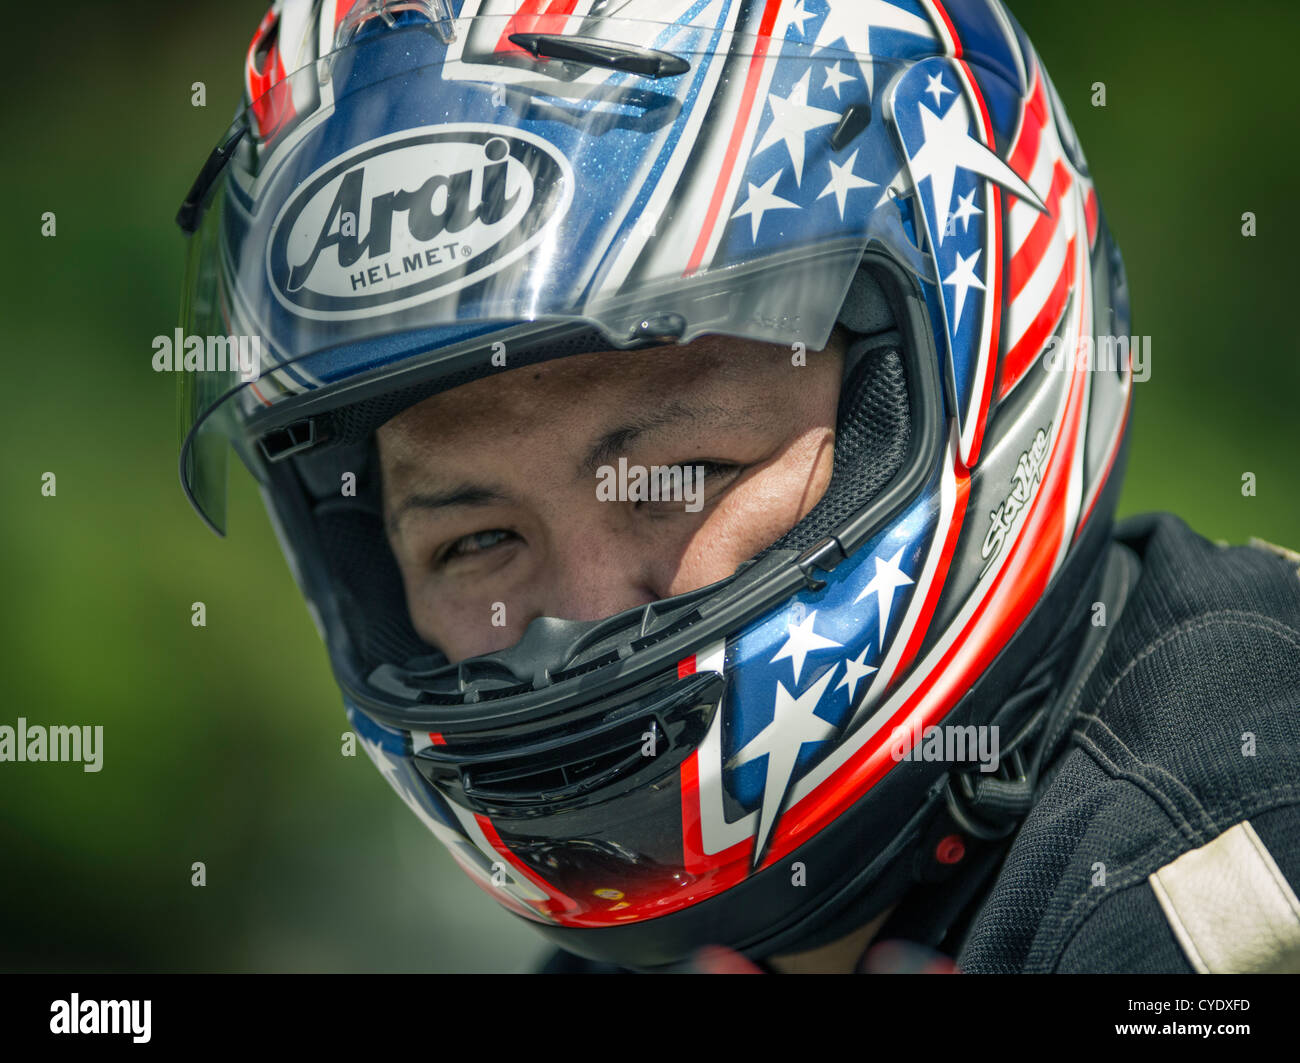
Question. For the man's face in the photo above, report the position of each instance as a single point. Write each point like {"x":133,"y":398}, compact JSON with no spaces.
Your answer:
{"x":490,"y":490}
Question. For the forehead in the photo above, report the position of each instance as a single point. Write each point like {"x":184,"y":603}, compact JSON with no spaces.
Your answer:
{"x":588,"y":389}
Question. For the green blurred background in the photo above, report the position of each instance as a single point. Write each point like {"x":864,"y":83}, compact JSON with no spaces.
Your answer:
{"x":222,"y":743}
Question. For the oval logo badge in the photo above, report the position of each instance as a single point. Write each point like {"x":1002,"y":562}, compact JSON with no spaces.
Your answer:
{"x":408,"y":218}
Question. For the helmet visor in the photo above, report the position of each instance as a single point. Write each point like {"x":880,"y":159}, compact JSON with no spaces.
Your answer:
{"x":424,"y":186}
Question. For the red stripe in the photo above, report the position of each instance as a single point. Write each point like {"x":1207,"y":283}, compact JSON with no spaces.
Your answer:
{"x":940,"y":573}
{"x":1025,"y":154}
{"x":268,"y":92}
{"x":686,"y":666}
{"x":499,"y":895}
{"x":1090,"y":210}
{"x":1022,"y":355}
{"x":716,"y":872}
{"x":530,"y":18}
{"x":737,"y":134}
{"x":1034,"y":249}
{"x":952,"y":30}
{"x":437,"y":739}
{"x":559,"y":903}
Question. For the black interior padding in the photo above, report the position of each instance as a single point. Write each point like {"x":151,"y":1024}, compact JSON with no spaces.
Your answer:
{"x":364,"y":573}
{"x":871,"y":443}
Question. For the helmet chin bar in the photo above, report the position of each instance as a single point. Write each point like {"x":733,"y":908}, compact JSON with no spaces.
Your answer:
{"x":551,"y":768}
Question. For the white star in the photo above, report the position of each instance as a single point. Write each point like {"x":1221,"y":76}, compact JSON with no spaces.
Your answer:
{"x":792,"y":120}
{"x":965,"y":211}
{"x":801,"y":641}
{"x":947,"y":146}
{"x":794,"y":722}
{"x":835,"y":77}
{"x":385,"y":764}
{"x":798,"y":15}
{"x":963,"y":278}
{"x":935,"y":85}
{"x":844,"y":181}
{"x":761,"y":199}
{"x":854,"y":672}
{"x":853,"y":22}
{"x":888,"y":578}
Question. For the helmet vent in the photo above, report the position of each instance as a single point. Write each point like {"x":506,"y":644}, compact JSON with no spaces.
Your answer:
{"x":606,"y":744}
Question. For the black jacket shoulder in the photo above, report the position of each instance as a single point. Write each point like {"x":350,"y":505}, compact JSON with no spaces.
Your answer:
{"x":1188,"y":724}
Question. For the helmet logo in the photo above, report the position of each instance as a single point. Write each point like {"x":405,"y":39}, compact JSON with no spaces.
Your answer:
{"x":405,"y":219}
{"x":1024,"y":482}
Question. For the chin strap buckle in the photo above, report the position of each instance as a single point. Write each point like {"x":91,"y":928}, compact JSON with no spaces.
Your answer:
{"x":992,"y":805}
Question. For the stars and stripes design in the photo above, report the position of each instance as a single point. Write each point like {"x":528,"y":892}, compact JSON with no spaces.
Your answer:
{"x":959,"y":179}
{"x":795,"y":186}
{"x":799,"y":676}
{"x":1041,"y":243}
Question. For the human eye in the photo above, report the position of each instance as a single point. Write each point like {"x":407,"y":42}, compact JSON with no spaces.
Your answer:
{"x":470,"y":545}
{"x":702,"y":483}
{"x":718,"y":470}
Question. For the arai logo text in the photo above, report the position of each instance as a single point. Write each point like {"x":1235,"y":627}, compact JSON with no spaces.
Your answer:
{"x":407,"y":218}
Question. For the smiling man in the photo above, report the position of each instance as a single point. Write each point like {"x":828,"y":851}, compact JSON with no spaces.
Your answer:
{"x":821,"y":252}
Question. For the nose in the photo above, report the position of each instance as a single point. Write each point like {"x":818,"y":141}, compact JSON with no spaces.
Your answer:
{"x":598,"y":566}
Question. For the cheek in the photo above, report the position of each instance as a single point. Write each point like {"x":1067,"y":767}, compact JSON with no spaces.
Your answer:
{"x":462,"y":625}
{"x":758,"y":512}
{"x":462,"y":618}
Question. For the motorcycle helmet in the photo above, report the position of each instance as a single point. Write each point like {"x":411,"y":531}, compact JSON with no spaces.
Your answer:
{"x":412,"y":187}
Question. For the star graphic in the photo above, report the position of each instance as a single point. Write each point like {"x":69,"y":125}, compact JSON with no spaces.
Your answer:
{"x":797,"y":16}
{"x":792,"y":120}
{"x":802,"y":640}
{"x":854,"y":672}
{"x":853,"y":22}
{"x":388,"y":767}
{"x":963,"y":278}
{"x":946,"y":147}
{"x":935,"y":85}
{"x":794,"y":722}
{"x":761,"y":199}
{"x":888,"y":578}
{"x":965,"y":211}
{"x":835,"y":77}
{"x":844,"y":181}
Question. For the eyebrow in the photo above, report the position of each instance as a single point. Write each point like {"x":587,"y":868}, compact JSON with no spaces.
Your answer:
{"x":615,"y":442}
{"x":463,"y":495}
{"x":606,"y":448}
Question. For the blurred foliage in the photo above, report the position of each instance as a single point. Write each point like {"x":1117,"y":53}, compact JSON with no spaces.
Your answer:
{"x":222,"y":743}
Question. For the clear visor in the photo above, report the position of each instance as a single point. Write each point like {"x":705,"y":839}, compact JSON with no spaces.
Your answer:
{"x":425,"y":187}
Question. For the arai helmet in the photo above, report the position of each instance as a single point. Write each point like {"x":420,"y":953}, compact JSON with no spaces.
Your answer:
{"x":415,"y":187}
